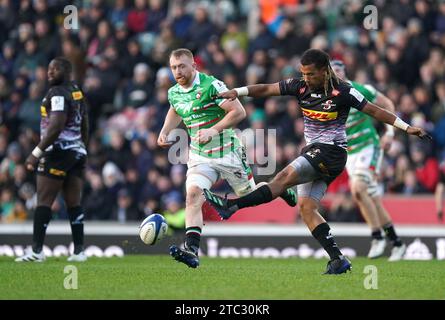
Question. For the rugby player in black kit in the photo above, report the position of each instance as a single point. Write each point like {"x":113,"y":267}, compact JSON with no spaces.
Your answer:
{"x":325,"y":101}
{"x":60,"y":158}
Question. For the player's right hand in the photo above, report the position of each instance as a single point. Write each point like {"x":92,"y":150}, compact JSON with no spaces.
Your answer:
{"x":31,"y":163}
{"x":163,"y":141}
{"x":231,"y":95}
{"x":422,"y":134}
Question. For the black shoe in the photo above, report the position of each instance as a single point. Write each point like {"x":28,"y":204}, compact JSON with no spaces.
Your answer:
{"x":338,"y":266}
{"x":185,"y":256}
{"x":220,"y":204}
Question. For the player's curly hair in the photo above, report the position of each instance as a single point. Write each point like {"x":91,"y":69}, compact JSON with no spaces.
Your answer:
{"x":321,"y":60}
{"x":65,"y":64}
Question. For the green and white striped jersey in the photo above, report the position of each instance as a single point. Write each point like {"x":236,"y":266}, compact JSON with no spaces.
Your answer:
{"x":199,"y":108}
{"x":360,"y":130}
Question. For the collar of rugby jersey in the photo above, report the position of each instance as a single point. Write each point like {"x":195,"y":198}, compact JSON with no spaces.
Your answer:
{"x":196,"y":81}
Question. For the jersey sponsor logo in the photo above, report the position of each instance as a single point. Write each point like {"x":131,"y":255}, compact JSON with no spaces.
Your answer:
{"x":320,"y":115}
{"x":328,"y":105}
{"x":57,"y":172}
{"x":354,"y":92}
{"x":323,"y":169}
{"x":43,"y":111}
{"x":238,"y":174}
{"x":219,"y":86}
{"x":302,"y":90}
{"x":57,"y":103}
{"x":315,"y":95}
{"x":77,"y":95}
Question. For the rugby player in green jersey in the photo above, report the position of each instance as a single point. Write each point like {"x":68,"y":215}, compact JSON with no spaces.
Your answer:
{"x":363,"y":165}
{"x":215,"y":150}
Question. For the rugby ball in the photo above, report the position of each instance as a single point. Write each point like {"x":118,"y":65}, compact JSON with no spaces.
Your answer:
{"x":153,"y":229}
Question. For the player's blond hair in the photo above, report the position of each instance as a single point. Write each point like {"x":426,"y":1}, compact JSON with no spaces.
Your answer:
{"x":181,"y":52}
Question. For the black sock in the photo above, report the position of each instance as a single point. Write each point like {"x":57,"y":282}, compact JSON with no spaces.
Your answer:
{"x":256,"y":197}
{"x":323,"y":235}
{"x":377,"y":234}
{"x":391,"y":234}
{"x":192,"y":238}
{"x":76,"y":220}
{"x":42,"y":217}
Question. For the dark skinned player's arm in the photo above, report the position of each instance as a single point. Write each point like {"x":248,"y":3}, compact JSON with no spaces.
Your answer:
{"x":390,"y":118}
{"x":57,"y":122}
{"x":256,"y":91}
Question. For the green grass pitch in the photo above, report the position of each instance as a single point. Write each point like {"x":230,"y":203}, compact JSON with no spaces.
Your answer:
{"x":161,"y":278}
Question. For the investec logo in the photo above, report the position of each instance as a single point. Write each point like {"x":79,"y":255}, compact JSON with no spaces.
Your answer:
{"x":62,"y":250}
{"x":320,"y":115}
{"x":303,"y":251}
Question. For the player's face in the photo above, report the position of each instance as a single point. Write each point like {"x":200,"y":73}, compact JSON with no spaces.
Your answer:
{"x":313,"y":76}
{"x":340,"y":72}
{"x":183,"y":68}
{"x":55,"y":73}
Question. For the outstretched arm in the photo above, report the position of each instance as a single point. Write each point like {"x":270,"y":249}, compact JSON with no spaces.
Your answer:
{"x":386,"y":103}
{"x":256,"y":91}
{"x":172,"y":120}
{"x":390,"y":118}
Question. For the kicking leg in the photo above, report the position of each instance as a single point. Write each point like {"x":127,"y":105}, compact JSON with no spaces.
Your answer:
{"x":299,"y":171}
{"x":288,"y":195}
{"x":263,"y":194}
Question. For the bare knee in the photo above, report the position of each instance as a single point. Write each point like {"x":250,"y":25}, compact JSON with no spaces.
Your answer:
{"x":194,"y":197}
{"x":307,"y":207}
{"x":358,"y":189}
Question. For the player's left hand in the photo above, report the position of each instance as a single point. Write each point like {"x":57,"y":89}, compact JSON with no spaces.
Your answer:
{"x":422,"y":134}
{"x":205,"y":135}
{"x":31,"y":162}
{"x":386,"y":141}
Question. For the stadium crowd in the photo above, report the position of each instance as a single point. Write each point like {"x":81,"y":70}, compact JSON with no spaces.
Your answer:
{"x":120,"y":56}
